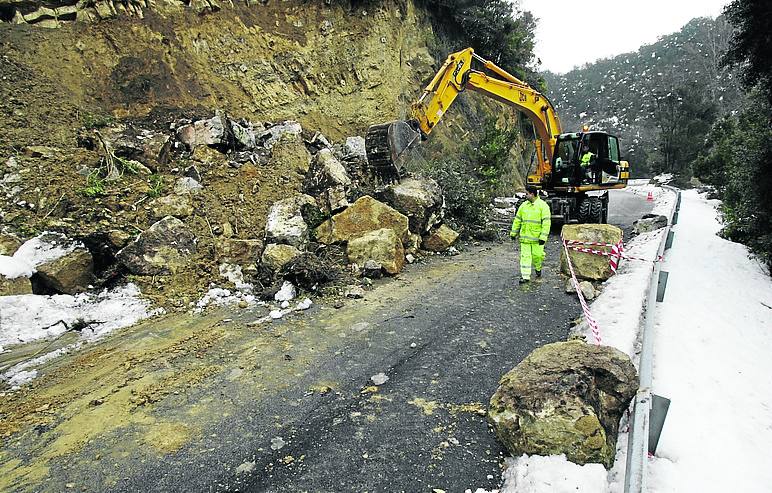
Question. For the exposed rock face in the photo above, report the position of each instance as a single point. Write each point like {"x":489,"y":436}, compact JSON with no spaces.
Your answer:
{"x":364,"y":215}
{"x":172,"y":205}
{"x":649,"y":223}
{"x":235,"y":251}
{"x":587,"y":265}
{"x":277,"y":256}
{"x":382,"y":246}
{"x":164,"y":248}
{"x":565,"y":398}
{"x":9,"y":244}
{"x":69,"y":274}
{"x":440,"y":239}
{"x":420,"y":199}
{"x":15,"y":286}
{"x":285,"y":222}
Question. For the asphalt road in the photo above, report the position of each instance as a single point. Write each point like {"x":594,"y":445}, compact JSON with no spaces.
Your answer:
{"x":292,"y":407}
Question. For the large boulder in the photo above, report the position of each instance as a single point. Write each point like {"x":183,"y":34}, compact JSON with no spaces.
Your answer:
{"x":565,"y":398}
{"x":440,"y":239}
{"x":649,"y":223}
{"x":363,"y":216}
{"x":587,"y":265}
{"x":420,"y":199}
{"x":285,"y":223}
{"x":164,"y":248}
{"x":69,"y":274}
{"x":382,"y":246}
{"x":276,"y":256}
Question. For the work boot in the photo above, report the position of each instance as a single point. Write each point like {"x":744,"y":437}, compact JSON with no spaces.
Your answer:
{"x":523,"y":281}
{"x":538,"y":273}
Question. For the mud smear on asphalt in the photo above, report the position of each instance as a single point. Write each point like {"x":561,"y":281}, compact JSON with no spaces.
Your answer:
{"x":154,"y":389}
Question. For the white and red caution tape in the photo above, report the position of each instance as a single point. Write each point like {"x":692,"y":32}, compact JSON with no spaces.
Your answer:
{"x":615,"y":255}
{"x":585,"y":308}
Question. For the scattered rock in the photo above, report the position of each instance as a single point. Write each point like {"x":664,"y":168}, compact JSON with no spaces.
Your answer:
{"x":565,"y":398}
{"x":372,"y":269}
{"x":588,"y":290}
{"x":355,"y":147}
{"x":328,"y":171}
{"x":69,"y":274}
{"x":379,"y":379}
{"x":440,"y":239}
{"x":586,"y":265}
{"x":172,"y":205}
{"x":649,"y":223}
{"x":276,"y":256}
{"x":285,"y":222}
{"x":363,"y":216}
{"x":241,"y":252}
{"x":162,"y":249}
{"x":211,"y":132}
{"x":420,"y":199}
{"x":186,"y":185}
{"x":381,"y":246}
{"x":277,"y":443}
{"x":355,"y":292}
{"x":9,"y":244}
{"x":570,"y":288}
{"x":273,"y":134}
{"x":289,"y":152}
{"x":15,"y":286}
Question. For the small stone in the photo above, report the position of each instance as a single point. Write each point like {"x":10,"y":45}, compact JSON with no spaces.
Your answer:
{"x":379,"y":379}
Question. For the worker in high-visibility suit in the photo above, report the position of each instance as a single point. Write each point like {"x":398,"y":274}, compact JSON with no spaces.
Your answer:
{"x":532,"y":225}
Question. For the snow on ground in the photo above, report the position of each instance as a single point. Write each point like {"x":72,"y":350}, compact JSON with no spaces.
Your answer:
{"x":713,"y":347}
{"x":713,"y":340}
{"x":30,"y":317}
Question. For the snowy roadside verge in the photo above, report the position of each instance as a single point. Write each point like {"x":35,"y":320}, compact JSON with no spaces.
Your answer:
{"x":618,"y":310}
{"x":29,"y":317}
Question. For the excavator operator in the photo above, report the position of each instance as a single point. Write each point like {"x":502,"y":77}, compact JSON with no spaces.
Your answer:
{"x":587,"y":162}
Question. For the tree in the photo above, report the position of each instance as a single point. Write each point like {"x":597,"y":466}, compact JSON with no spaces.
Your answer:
{"x":751,"y":45}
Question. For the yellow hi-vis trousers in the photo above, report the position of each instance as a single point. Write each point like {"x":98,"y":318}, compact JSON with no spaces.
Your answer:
{"x":530,"y":253}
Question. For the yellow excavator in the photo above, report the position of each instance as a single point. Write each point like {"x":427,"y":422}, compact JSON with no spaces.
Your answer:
{"x":559,"y":170}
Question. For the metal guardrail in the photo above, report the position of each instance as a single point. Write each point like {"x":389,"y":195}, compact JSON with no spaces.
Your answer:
{"x":638,"y":439}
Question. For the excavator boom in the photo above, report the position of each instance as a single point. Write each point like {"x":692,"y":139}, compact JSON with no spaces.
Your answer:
{"x":457,"y":75}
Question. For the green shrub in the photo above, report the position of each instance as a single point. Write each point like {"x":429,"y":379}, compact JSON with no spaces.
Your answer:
{"x":95,"y":185}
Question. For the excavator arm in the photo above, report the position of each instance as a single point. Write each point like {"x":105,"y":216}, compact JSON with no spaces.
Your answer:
{"x":388,"y":143}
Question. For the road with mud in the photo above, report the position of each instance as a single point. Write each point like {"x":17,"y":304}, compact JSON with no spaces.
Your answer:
{"x":215,"y":403}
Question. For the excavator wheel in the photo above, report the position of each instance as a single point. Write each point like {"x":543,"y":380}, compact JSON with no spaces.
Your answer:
{"x":591,"y":211}
{"x":386,"y":145}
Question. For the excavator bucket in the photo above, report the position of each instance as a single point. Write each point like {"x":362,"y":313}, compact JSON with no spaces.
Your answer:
{"x":387,"y":145}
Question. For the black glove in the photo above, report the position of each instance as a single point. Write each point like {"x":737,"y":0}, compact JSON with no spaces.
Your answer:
{"x":542,"y":242}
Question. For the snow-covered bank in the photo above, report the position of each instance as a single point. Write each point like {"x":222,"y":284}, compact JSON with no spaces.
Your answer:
{"x":713,"y":337}
{"x":713,"y":341}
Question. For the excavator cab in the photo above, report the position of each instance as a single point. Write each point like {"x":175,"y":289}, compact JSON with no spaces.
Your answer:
{"x":601,"y":169}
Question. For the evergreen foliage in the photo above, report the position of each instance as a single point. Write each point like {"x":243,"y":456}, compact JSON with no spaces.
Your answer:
{"x":495,"y":29}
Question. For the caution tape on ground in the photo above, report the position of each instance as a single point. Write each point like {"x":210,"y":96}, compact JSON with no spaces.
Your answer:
{"x":585,"y":308}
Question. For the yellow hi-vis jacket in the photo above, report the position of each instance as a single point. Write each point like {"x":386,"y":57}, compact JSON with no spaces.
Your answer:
{"x":532,"y":221}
